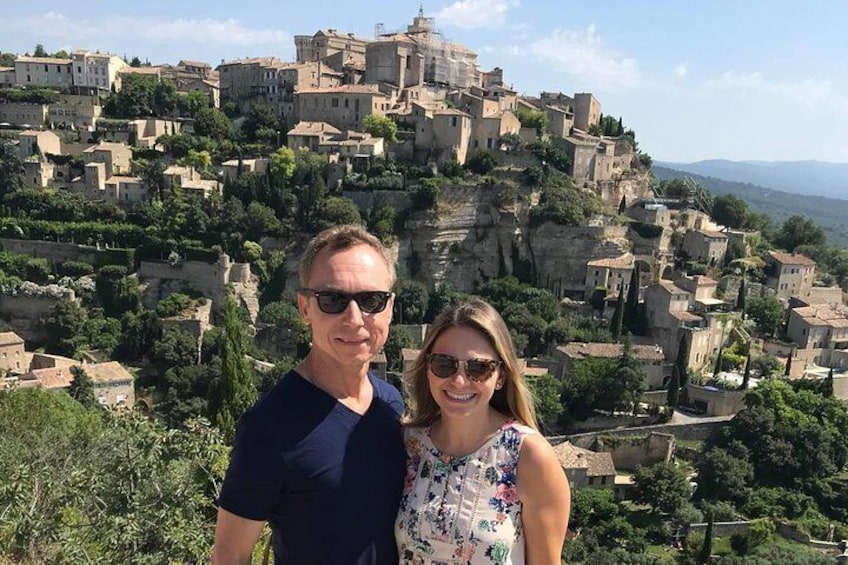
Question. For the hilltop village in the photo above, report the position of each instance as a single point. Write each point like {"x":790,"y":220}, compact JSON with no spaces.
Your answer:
{"x":148,"y":210}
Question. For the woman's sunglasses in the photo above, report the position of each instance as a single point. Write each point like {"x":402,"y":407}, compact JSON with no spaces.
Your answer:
{"x":446,"y":366}
{"x":335,"y":302}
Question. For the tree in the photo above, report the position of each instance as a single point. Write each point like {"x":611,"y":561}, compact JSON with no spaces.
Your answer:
{"x":481,"y":162}
{"x":39,"y":51}
{"x":617,"y":316}
{"x":398,"y":339}
{"x":529,"y":118}
{"x":800,"y":230}
{"x":768,"y":313}
{"x":663,"y":486}
{"x":622,"y":206}
{"x":380,"y":126}
{"x":673,"y":392}
{"x":631,"y":308}
{"x":787,"y":371}
{"x":740,"y":298}
{"x":335,"y":211}
{"x":11,"y":169}
{"x":235,"y":390}
{"x":546,"y":391}
{"x":827,"y":389}
{"x":411,"y":302}
{"x":65,"y":329}
{"x":191,"y":103}
{"x":731,"y":211}
{"x":200,"y":160}
{"x":212,"y":122}
{"x":283,"y":164}
{"x":118,"y":293}
{"x":747,"y":376}
{"x":707,"y":547}
{"x":82,"y":388}
{"x":260,"y":123}
{"x":164,"y":98}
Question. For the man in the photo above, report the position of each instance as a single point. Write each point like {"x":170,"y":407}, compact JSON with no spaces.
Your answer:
{"x":321,"y":456}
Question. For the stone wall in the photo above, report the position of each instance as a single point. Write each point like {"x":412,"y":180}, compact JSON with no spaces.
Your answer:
{"x":55,"y":252}
{"x":631,"y":452}
{"x":366,"y":200}
{"x":690,"y":431}
{"x":722,"y":529}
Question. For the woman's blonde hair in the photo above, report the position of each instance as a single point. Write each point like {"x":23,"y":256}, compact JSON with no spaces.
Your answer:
{"x":513,"y":399}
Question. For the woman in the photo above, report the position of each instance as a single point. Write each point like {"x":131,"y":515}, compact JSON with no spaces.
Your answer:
{"x":482,"y":485}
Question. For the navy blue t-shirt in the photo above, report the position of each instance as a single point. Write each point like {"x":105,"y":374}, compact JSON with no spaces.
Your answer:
{"x":327,"y":479}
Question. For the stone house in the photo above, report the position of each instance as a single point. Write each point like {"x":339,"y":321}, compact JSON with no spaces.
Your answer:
{"x":114,"y":386}
{"x":348,"y":147}
{"x":23,"y":114}
{"x":92,"y":70}
{"x":587,"y":111}
{"x":344,"y":107}
{"x":612,"y":273}
{"x":191,"y":181}
{"x":712,"y":401}
{"x":36,"y":143}
{"x":585,"y":468}
{"x":419,"y":55}
{"x":651,"y":357}
{"x":76,"y":112}
{"x":820,"y":331}
{"x":7,"y":77}
{"x":705,"y":246}
{"x":43,"y":71}
{"x":210,"y":88}
{"x":233,"y":168}
{"x":593,"y":159}
{"x":12,"y":353}
{"x":331,"y":46}
{"x":116,"y":157}
{"x":138,"y":133}
{"x":201,"y":69}
{"x":789,"y":274}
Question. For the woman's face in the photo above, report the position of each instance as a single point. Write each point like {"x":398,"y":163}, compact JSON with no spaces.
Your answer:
{"x":457,"y":395}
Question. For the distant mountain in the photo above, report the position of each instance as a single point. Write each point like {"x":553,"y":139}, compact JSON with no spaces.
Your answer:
{"x":830,"y":213}
{"x":800,"y":177}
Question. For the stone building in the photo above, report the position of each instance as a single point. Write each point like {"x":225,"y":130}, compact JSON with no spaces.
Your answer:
{"x":344,"y":107}
{"x":23,"y":114}
{"x":821,"y":333}
{"x":12,"y":353}
{"x":114,"y":386}
{"x":43,"y":71}
{"x":332,"y":47}
{"x":651,"y":357}
{"x":612,"y":273}
{"x":587,"y":111}
{"x":789,"y":274}
{"x":585,"y":468}
{"x":705,"y":246}
{"x":98,"y":71}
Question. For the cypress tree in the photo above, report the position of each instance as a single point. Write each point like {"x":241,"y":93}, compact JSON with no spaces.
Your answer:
{"x":618,"y":316}
{"x":673,"y":396}
{"x":788,"y":369}
{"x":828,"y":385}
{"x":747,"y":376}
{"x":740,"y":300}
{"x":717,"y":367}
{"x":235,"y":391}
{"x":707,"y":547}
{"x":681,"y":360}
{"x":82,"y":388}
{"x":631,"y":307}
{"x":622,"y":206}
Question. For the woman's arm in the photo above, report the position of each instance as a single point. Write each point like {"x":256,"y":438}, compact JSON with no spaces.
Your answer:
{"x":546,"y":500}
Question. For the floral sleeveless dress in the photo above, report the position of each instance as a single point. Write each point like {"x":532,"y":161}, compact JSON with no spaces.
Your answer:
{"x":461,"y":510}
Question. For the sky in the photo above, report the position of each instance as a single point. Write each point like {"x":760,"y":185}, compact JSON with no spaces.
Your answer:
{"x":741,"y":80}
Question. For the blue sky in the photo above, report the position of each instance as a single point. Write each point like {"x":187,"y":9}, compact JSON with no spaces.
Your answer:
{"x":719,"y":79}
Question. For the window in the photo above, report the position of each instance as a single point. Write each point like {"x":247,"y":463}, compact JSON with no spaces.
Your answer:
{"x":347,"y":103}
{"x":45,"y":68}
{"x":334,"y":102}
{"x":453,"y":121}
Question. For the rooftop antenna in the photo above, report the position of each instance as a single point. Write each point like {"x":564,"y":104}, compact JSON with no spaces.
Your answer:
{"x":421,"y":10}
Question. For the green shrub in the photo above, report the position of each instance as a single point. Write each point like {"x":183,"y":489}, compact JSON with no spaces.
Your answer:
{"x":75,"y":269}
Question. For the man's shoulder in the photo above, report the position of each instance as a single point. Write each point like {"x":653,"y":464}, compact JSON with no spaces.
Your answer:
{"x":388,"y":394}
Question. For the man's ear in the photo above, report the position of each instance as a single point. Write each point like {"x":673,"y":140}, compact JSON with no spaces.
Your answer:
{"x":303,"y":307}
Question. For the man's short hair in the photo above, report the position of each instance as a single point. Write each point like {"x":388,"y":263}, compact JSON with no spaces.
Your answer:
{"x":339,"y":238}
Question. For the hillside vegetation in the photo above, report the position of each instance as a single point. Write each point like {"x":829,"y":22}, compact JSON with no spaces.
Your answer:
{"x":829,"y":213}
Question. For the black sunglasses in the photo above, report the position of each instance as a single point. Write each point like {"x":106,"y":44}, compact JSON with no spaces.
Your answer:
{"x":335,"y":302}
{"x":446,"y":366}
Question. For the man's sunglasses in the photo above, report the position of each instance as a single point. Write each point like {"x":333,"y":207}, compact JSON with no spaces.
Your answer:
{"x":446,"y":366}
{"x":335,"y":302}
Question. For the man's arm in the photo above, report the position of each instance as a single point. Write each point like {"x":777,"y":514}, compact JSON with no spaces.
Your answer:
{"x":235,"y":538}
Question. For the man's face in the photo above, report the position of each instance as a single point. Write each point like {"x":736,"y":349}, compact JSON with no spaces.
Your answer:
{"x":353,"y":337}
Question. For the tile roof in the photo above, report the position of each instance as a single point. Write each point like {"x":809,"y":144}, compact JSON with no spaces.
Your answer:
{"x":579,"y":350}
{"x":791,"y":258}
{"x":10,"y":338}
{"x":43,"y":60}
{"x":109,"y":372}
{"x":596,"y":464}
{"x":345,"y":89}
{"x":622,"y":262}
{"x":313,"y":128}
{"x":824,"y":315}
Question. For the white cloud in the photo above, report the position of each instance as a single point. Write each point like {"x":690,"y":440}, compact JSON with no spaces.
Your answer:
{"x":808,"y":92}
{"x":582,"y":54}
{"x":54,"y":25}
{"x":681,"y":70}
{"x":476,"y":14}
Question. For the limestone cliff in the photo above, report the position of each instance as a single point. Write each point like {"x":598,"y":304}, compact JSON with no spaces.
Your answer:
{"x":470,"y":239}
